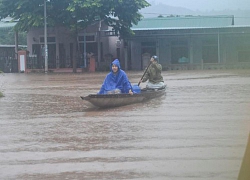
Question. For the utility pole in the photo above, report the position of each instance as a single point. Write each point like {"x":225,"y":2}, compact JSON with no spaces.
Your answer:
{"x":84,"y":49}
{"x":99,"y":42}
{"x":45,"y":39}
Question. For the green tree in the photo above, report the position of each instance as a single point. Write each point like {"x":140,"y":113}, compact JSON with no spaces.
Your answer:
{"x":8,"y":37}
{"x":76,"y":14}
{"x":120,"y":14}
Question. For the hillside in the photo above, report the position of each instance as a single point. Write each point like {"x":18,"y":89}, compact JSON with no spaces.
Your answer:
{"x":242,"y":17}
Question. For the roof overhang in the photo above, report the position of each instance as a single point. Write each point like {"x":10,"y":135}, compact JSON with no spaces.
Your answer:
{"x":6,"y":26}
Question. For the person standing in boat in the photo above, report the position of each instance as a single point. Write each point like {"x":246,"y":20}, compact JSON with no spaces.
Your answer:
{"x":153,"y":74}
{"x":116,"y":81}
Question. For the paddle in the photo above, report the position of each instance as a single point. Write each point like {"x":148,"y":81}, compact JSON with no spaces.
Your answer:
{"x":144,"y":73}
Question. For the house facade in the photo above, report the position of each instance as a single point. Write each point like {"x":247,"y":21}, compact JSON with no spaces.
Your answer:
{"x":63,"y":46}
{"x":190,"y":42}
{"x":182,"y":42}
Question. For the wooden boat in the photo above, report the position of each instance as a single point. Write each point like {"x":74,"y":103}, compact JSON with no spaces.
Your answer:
{"x":115,"y":100}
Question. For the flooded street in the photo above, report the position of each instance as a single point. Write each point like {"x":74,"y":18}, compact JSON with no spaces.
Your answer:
{"x":197,"y":131}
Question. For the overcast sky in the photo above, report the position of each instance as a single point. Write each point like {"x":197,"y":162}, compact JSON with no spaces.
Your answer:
{"x":207,"y":5}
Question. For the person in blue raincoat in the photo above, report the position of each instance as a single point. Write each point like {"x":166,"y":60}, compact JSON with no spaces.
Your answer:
{"x":116,"y":81}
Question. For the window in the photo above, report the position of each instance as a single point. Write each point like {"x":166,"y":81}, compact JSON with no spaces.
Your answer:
{"x":49,"y":39}
{"x":210,"y":50}
{"x":244,"y":56}
{"x":148,"y":44}
{"x":89,"y":38}
{"x":179,"y":51}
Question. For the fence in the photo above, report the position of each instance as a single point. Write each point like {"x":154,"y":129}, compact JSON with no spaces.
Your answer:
{"x":8,"y":64}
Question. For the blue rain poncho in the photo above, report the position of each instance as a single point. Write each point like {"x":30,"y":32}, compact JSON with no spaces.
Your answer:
{"x":117,"y":80}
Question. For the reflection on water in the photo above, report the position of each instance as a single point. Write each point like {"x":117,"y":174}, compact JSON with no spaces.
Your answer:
{"x":197,"y":131}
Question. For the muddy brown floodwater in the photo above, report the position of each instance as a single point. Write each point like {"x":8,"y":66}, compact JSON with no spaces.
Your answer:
{"x":197,"y":131}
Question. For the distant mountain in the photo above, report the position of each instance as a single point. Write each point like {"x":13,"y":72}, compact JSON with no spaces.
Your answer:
{"x":164,"y":10}
{"x":242,"y":17}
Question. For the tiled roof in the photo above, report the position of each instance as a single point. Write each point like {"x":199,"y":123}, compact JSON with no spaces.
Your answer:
{"x":184,"y":22}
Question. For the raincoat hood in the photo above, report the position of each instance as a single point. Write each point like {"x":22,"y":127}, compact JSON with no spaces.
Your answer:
{"x":117,"y":63}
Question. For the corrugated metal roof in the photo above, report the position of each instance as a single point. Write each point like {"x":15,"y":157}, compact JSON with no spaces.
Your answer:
{"x":184,"y":22}
{"x":11,"y":46}
{"x":7,"y":25}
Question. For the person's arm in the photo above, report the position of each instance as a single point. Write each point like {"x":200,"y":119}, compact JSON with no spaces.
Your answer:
{"x":147,"y":74}
{"x":128,"y":84}
{"x":157,"y":67}
{"x":101,"y":90}
{"x":130,"y":92}
{"x":102,"y":87}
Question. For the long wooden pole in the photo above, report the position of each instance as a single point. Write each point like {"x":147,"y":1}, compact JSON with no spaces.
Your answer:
{"x":144,"y":73}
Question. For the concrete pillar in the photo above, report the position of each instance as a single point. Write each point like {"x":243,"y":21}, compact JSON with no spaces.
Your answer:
{"x":92,"y":64}
{"x":22,"y":61}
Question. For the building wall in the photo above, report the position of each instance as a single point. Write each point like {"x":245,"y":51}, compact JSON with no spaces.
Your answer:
{"x":234,"y":44}
{"x":204,"y":47}
{"x":136,"y":56}
{"x":197,"y":50}
{"x":164,"y":51}
{"x":65,"y":39}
